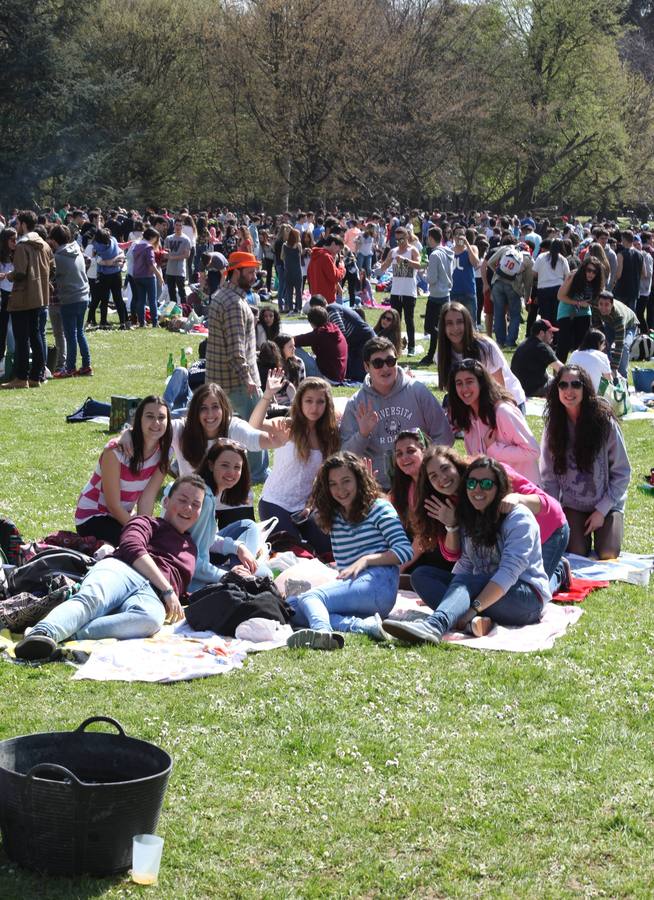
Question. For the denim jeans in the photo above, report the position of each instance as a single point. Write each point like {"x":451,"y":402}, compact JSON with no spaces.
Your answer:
{"x":503,"y":294}
{"x":430,"y":584}
{"x":247,"y":532}
{"x":176,"y":286}
{"x":519,"y":606}
{"x":72,"y":315}
{"x":293,"y":293}
{"x":342,"y":605}
{"x":469,"y":301}
{"x":114,"y":601}
{"x":629,"y":337}
{"x":177,"y":393}
{"x":243,"y":404}
{"x":553,"y":549}
{"x":6,"y":332}
{"x":146,"y":292}
{"x":365,"y":263}
{"x":281,"y":285}
{"x":111,"y":285}
{"x":58,"y":333}
{"x":310,"y":364}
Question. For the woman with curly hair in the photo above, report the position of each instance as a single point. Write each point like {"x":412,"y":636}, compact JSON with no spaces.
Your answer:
{"x":499,"y":577}
{"x":310,"y":435}
{"x":584,"y":463}
{"x":578,"y":293}
{"x":458,"y":339}
{"x":389,"y":326}
{"x":268,"y":326}
{"x":491,"y":422}
{"x":369,"y":546}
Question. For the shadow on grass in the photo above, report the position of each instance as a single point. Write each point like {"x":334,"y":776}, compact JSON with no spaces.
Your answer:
{"x":16,"y":882}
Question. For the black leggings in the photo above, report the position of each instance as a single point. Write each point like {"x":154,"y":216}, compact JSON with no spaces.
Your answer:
{"x":607,"y":539}
{"x":176,"y":286}
{"x":408,"y":305}
{"x":571,"y":332}
{"x":102,"y":528}
{"x":268,"y":269}
{"x":111,"y":285}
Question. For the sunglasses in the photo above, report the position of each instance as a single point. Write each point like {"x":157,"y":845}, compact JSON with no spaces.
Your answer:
{"x":486,"y":484}
{"x":390,"y":361}
{"x":591,"y":270}
{"x":230,"y":444}
{"x":575,"y":385}
{"x":386,"y":318}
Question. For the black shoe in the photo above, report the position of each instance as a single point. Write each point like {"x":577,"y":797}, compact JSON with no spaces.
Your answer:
{"x":35,"y":647}
{"x":425,"y":361}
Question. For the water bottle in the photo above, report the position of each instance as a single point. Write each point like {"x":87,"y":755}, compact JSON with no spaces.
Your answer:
{"x":170,"y":368}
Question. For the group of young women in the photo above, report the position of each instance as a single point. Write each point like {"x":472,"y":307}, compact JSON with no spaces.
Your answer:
{"x":481,"y":536}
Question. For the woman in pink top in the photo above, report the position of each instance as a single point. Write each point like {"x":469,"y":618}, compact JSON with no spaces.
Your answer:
{"x":122,"y":482}
{"x":491,"y":422}
{"x":435,"y":521}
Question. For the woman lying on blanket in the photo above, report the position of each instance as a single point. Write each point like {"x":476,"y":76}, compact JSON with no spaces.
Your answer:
{"x":499,"y":577}
{"x":132,"y":593}
{"x":208,"y":418}
{"x":436,"y":527}
{"x":228,"y":502}
{"x":122,"y":480}
{"x":584,"y":463}
{"x":369,"y":546}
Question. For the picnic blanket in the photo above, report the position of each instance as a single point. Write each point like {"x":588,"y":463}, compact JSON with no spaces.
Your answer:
{"x":633,"y":568}
{"x":526,"y":639}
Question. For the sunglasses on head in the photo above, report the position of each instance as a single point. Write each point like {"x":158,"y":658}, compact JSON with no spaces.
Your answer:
{"x":469,"y":365}
{"x":486,"y":484}
{"x":390,"y":361}
{"x":576,"y":384}
{"x":230,"y":444}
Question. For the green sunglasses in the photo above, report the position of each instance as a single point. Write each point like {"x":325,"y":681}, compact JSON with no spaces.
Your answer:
{"x":486,"y":484}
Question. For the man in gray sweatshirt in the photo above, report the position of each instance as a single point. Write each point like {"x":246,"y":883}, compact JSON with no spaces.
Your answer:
{"x":389,"y":402}
{"x":439,"y":278}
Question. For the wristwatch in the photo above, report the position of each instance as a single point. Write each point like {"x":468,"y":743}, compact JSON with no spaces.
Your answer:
{"x":167,"y":592}
{"x":476,"y":605}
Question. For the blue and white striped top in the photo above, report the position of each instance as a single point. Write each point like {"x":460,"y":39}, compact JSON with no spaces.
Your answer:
{"x":381,"y":530}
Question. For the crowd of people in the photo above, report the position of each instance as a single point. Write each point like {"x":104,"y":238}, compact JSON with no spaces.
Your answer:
{"x":371,"y":483}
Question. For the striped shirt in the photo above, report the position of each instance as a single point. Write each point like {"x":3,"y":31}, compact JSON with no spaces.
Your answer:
{"x":92,"y":501}
{"x":381,"y":530}
{"x":232,"y":342}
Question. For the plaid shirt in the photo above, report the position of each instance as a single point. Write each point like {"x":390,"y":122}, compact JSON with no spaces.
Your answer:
{"x":231,"y":345}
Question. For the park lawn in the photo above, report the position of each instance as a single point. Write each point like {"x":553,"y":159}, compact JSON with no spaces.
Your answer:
{"x":379,"y":771}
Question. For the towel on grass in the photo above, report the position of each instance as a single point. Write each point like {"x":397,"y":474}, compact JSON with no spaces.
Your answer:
{"x":633,"y":568}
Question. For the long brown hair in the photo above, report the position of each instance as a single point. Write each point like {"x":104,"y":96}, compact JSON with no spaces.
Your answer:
{"x":138,"y":442}
{"x":393,"y":332}
{"x":482,"y":528}
{"x":475,"y":345}
{"x":326,"y":508}
{"x":490,"y":395}
{"x":592,"y":428}
{"x":326,"y":427}
{"x":401,"y":483}
{"x":427,"y":530}
{"x":238,"y":494}
{"x":194,"y":441}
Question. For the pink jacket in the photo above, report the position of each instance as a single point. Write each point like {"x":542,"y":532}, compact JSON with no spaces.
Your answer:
{"x":511,"y":442}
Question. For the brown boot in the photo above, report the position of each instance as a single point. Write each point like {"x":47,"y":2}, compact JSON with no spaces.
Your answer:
{"x":36,"y":383}
{"x":14,"y":384}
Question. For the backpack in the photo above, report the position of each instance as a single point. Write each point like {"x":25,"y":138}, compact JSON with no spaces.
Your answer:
{"x":37,"y":576}
{"x":511,"y":263}
{"x":10,"y":543}
{"x":642,"y":348}
{"x":222,"y":607}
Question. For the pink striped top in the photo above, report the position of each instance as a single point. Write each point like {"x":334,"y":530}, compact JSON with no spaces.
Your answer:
{"x":92,"y":500}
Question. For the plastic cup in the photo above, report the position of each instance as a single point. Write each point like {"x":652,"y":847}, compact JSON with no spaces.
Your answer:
{"x":146,"y":858}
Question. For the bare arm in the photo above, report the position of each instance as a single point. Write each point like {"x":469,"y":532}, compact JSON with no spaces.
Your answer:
{"x":110,"y":471}
{"x":145,"y":503}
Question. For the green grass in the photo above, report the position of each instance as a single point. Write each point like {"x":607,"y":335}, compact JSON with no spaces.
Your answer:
{"x":379,"y":771}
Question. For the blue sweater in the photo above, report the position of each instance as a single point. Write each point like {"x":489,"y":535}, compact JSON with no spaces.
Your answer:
{"x":381,"y":530}
{"x":517,"y":555}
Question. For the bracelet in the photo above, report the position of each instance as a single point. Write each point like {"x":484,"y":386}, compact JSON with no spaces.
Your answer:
{"x":451,"y":528}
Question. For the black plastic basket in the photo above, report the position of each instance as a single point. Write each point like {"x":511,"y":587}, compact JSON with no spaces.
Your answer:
{"x":71,"y":801}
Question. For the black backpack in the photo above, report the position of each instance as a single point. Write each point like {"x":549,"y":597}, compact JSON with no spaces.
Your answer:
{"x":36,"y":576}
{"x":222,"y":607}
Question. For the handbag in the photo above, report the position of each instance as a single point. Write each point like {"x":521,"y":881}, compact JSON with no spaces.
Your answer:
{"x":616,"y":394}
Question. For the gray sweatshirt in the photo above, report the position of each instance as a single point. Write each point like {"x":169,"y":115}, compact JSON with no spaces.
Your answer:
{"x":603,"y":489}
{"x":517,"y":555}
{"x":409,"y":405}
{"x":439,"y":271}
{"x":70,"y":274}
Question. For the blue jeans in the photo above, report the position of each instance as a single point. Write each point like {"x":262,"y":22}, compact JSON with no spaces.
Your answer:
{"x":177,"y":393}
{"x":629,"y":337}
{"x":146,"y":292}
{"x":430,"y":584}
{"x":72,"y":317}
{"x":519,"y":606}
{"x":243,"y":404}
{"x":114,"y":601}
{"x":469,"y":301}
{"x":342,"y":605}
{"x":503,"y":294}
{"x":553,"y":549}
{"x":365,"y":263}
{"x":302,"y":531}
{"x":247,"y":532}
{"x":281,"y":285}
